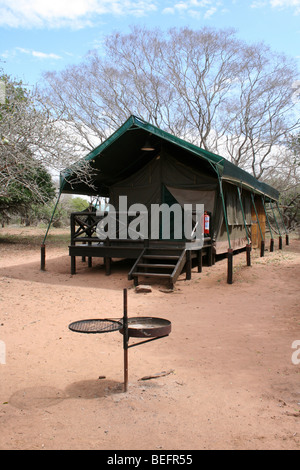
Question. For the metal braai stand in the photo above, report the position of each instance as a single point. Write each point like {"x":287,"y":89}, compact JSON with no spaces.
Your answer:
{"x":140,"y":327}
{"x":150,"y":328}
{"x":125,"y":340}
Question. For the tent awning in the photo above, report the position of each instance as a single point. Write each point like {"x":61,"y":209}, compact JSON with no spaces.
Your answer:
{"x":235,"y":175}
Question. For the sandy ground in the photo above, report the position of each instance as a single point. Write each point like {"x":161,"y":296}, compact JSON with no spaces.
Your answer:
{"x":232,"y":382}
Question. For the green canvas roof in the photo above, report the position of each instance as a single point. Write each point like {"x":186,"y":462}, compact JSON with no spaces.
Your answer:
{"x":120,"y":155}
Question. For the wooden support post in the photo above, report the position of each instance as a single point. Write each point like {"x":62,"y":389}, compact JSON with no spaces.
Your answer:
{"x":280,"y":242}
{"x":107,"y":261}
{"x":287,"y":242}
{"x":262,"y":248}
{"x":209,"y":256}
{"x":230,"y":266}
{"x":213,"y":250}
{"x":43,"y":257}
{"x":89,"y":243}
{"x":83,"y":258}
{"x":72,"y":222}
{"x":271,"y":245}
{"x":199,"y":259}
{"x":248,"y":254}
{"x":188,"y":265}
{"x":73,"y":264}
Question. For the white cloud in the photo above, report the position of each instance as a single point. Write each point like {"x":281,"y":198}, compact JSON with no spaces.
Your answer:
{"x":194,"y":8}
{"x":194,"y":14}
{"x":43,"y":55}
{"x":9,"y":54}
{"x":278,"y":4}
{"x":295,"y":4}
{"x":259,"y":4}
{"x":210,"y":12}
{"x":181,"y":6}
{"x":75,"y":14}
{"x":168,"y":11}
{"x":38,"y":54}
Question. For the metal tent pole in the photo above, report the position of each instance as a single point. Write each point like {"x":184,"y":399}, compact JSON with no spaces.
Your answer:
{"x":280,"y":237}
{"x":269,"y":225}
{"x":125,"y":340}
{"x":248,"y":246}
{"x":286,"y":232}
{"x":262,"y":245}
{"x":43,"y":245}
{"x":230,"y":251}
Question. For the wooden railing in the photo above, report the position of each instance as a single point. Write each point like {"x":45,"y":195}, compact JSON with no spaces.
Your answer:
{"x":84,"y":226}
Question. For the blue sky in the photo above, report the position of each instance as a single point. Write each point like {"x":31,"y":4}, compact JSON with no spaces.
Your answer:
{"x":42,"y":35}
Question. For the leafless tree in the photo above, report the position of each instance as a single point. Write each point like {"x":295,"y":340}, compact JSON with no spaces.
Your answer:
{"x":206,"y":86}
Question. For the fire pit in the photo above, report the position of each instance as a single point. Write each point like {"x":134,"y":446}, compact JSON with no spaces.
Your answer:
{"x":150,"y":328}
{"x":147,"y":327}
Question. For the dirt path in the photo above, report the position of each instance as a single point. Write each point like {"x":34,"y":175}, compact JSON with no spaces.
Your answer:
{"x":233,"y":384}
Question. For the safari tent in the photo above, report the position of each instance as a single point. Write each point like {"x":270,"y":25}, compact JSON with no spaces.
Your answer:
{"x":150,"y":166}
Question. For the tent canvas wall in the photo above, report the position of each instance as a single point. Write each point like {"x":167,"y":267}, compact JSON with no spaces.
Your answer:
{"x":166,"y":174}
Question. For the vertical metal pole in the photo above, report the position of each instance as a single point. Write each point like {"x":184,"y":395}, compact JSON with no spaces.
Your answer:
{"x":262,"y":245}
{"x":43,"y":246}
{"x":230,"y":251}
{"x":286,"y":232}
{"x":125,"y":341}
{"x":224,"y":211}
{"x":269,"y":225}
{"x":73,"y":258}
{"x":248,"y":246}
{"x":280,"y":237}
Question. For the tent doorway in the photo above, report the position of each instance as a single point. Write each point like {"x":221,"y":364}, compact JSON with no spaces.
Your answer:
{"x":168,"y":221}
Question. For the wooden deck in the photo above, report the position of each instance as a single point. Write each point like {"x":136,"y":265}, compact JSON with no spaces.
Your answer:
{"x":159,"y":259}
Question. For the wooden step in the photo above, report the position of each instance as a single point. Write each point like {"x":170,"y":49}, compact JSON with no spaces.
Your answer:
{"x":158,"y":262}
{"x":135,"y":273}
{"x":166,"y":257}
{"x":154,"y":265}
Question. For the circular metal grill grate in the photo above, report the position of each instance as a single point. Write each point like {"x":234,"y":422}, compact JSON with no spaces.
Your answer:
{"x":95,"y":326}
